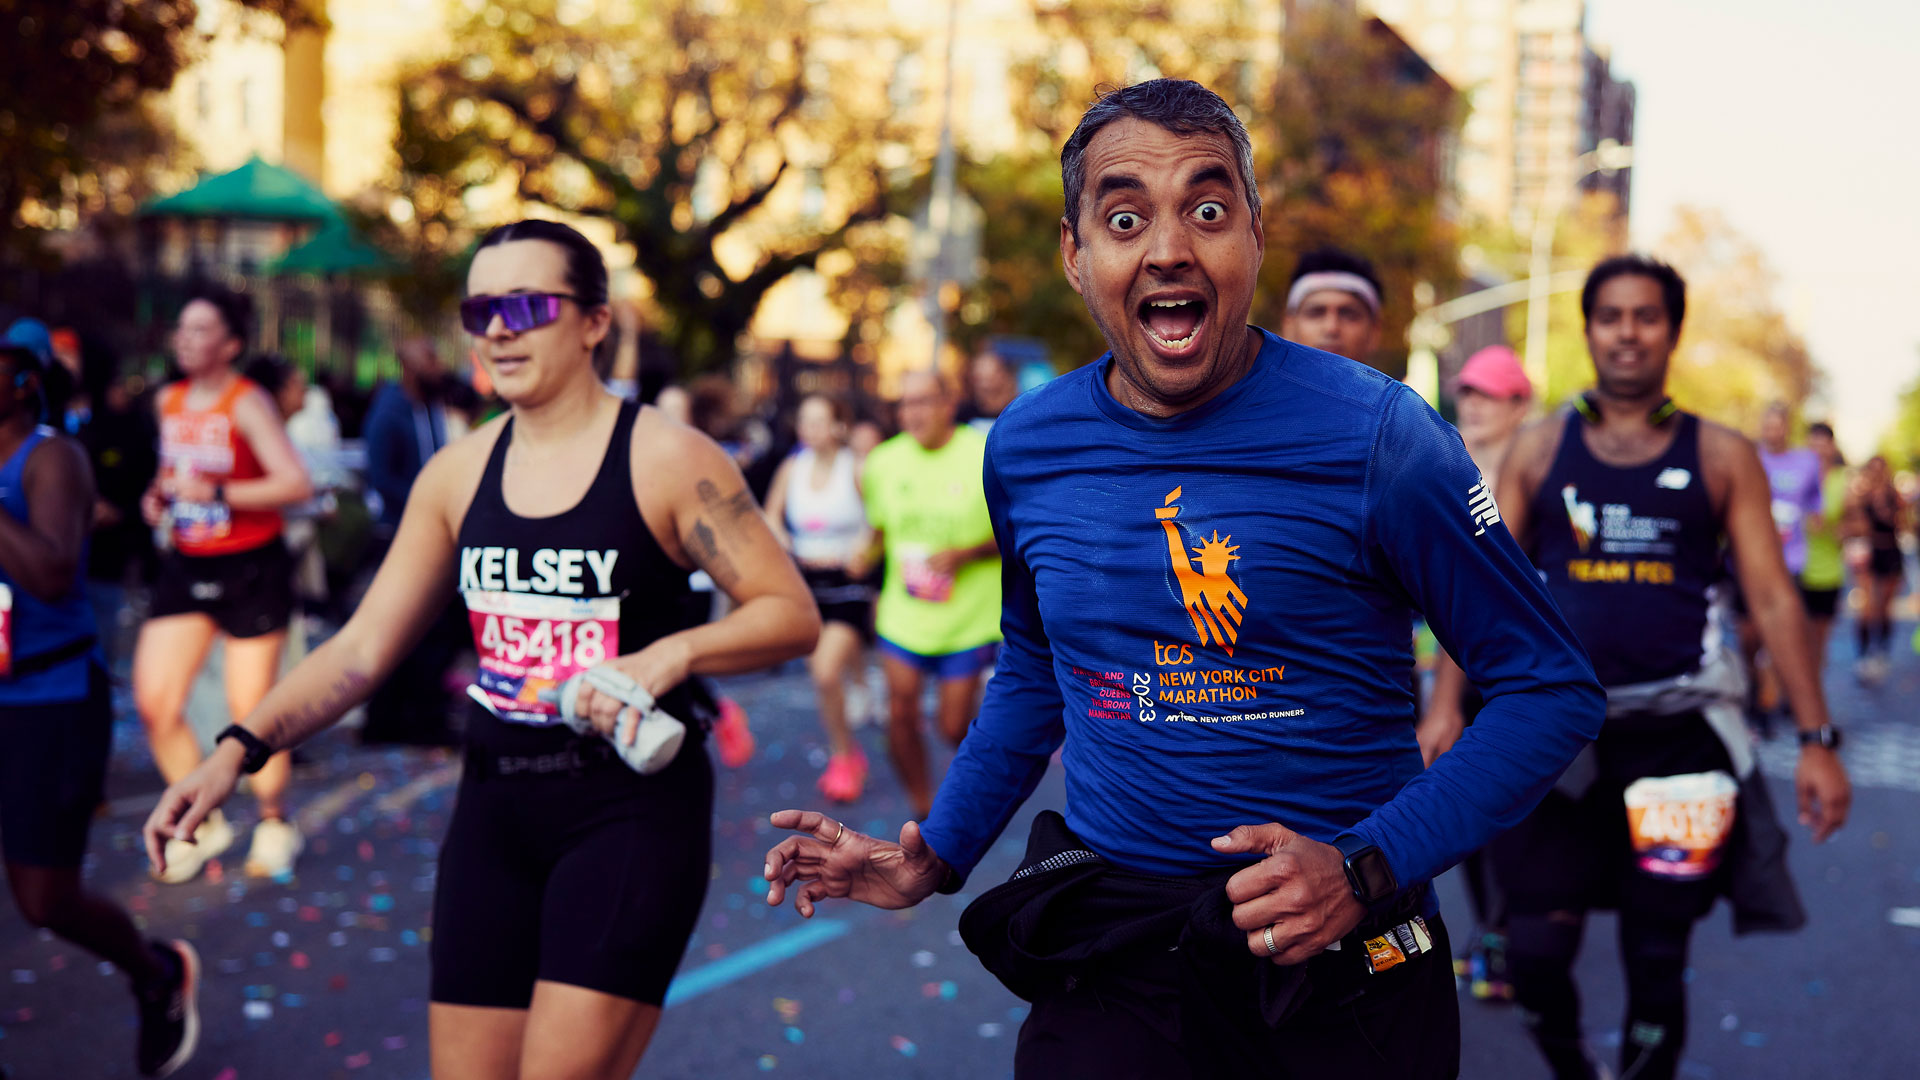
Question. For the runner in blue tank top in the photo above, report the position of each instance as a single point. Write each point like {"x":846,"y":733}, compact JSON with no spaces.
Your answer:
{"x":1214,"y":539}
{"x":1625,"y":504}
{"x":568,"y":883}
{"x":56,"y":718}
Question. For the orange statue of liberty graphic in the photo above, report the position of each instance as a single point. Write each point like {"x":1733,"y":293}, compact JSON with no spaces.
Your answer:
{"x":1214,"y":603}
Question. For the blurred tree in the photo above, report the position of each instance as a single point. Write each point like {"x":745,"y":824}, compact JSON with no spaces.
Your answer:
{"x":1024,"y":291}
{"x":1356,"y":141}
{"x":75,"y":126}
{"x":677,"y":122}
{"x":1901,"y":443}
{"x":1737,"y":353}
{"x":1349,"y":138}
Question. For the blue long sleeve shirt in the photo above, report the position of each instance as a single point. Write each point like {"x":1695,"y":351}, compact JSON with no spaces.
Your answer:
{"x":1212,"y":612}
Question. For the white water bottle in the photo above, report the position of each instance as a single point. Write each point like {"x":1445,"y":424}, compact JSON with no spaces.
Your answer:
{"x":660,"y":734}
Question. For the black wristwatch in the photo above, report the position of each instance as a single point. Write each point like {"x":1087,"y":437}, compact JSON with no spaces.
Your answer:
{"x":1368,"y":874}
{"x":1825,"y":735}
{"x":257,"y":751}
{"x":220,"y":494}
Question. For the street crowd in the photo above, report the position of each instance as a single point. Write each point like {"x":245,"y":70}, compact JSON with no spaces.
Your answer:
{"x":1539,"y":643}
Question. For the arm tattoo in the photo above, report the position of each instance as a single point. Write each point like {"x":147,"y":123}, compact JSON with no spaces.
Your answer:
{"x":706,"y":552}
{"x":735,"y":506}
{"x":297,"y":723}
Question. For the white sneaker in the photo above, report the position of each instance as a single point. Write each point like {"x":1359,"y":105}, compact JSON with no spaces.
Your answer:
{"x":184,"y":860}
{"x":276,"y":844}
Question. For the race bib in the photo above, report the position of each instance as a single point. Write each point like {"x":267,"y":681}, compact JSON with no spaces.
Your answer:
{"x":6,"y":631}
{"x":200,"y":523}
{"x":530,"y":643}
{"x":1786,"y":517}
{"x":923,"y":582}
{"x":1680,"y":824}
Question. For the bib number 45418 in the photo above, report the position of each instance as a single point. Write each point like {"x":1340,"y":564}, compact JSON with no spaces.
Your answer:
{"x":544,"y":641}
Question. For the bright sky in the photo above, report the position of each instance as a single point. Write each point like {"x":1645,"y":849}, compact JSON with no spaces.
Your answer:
{"x":1797,"y":121}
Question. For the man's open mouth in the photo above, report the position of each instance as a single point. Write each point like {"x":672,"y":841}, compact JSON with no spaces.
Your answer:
{"x":1173,"y":323}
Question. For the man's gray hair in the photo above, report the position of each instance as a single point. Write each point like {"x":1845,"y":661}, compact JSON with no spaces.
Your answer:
{"x":1182,"y":106}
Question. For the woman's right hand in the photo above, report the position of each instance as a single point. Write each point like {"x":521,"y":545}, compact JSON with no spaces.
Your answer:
{"x":188,"y":801}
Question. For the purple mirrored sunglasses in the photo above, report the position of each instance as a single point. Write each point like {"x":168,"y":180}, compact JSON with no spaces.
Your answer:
{"x":519,"y":312}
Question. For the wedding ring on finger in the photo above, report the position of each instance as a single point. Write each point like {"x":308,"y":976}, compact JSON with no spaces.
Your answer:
{"x":1267,"y":936}
{"x":836,"y":836}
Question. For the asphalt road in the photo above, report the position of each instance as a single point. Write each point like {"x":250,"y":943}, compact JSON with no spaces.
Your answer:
{"x":326,"y":975}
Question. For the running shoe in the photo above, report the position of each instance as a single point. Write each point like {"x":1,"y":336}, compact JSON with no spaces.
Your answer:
{"x":846,"y":776}
{"x":736,"y":740}
{"x":276,"y":844}
{"x":184,"y":860}
{"x":169,"y":1011}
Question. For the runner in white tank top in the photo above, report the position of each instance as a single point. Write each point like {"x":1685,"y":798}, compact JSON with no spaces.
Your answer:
{"x":816,"y":507}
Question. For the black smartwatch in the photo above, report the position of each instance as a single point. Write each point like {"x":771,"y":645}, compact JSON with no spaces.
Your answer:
{"x":220,"y":495}
{"x":1368,"y":874}
{"x":257,"y":751}
{"x":1825,"y":735}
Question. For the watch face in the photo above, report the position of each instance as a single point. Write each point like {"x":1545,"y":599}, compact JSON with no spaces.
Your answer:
{"x":1376,"y":878}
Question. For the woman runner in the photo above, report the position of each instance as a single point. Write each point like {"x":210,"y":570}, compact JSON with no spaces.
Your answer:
{"x":227,"y":469}
{"x":1877,"y":514}
{"x":816,"y":506}
{"x":568,"y":883}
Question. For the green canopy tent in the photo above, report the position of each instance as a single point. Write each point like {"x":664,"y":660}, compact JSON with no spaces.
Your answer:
{"x":270,"y":220}
{"x":256,"y":191}
{"x":335,"y":249}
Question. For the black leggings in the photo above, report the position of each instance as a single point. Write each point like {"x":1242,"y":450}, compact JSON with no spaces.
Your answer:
{"x":1653,"y":949}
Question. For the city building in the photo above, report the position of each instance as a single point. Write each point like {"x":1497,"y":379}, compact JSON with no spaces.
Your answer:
{"x":1541,"y":94}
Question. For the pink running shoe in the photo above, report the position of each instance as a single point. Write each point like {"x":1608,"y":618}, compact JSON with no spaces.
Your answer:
{"x":736,"y":741}
{"x":846,"y":776}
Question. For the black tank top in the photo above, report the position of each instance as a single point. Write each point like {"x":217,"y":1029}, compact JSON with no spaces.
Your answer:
{"x":553,"y":595}
{"x":1628,"y":554}
{"x":1883,"y":529}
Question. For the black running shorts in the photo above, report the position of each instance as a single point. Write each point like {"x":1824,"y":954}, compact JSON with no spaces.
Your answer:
{"x":246,"y":593}
{"x":592,"y":878}
{"x":52,"y":775}
{"x":1820,"y":603}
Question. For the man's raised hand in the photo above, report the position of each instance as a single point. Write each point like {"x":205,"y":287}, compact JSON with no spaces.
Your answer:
{"x":1299,"y":890}
{"x":829,"y":859}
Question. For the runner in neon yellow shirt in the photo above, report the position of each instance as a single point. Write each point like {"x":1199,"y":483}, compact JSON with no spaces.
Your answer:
{"x":939,"y":611}
{"x":1825,"y":575}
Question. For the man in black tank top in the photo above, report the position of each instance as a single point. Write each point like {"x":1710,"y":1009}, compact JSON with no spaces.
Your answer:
{"x":1624,"y":503}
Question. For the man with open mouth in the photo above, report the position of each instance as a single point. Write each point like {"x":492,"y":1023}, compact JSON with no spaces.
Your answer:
{"x":1212,"y":541}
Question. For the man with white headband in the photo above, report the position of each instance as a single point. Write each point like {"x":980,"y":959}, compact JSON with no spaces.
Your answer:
{"x":1333,"y":304}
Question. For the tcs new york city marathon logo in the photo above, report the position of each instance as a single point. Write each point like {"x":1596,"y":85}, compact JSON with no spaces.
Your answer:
{"x":1212,"y":599}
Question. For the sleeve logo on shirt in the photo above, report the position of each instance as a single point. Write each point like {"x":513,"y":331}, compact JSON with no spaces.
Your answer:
{"x":1480,"y":504}
{"x":1212,"y":600}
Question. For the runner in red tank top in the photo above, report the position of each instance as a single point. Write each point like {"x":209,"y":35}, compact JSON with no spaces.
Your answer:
{"x":226,"y":470}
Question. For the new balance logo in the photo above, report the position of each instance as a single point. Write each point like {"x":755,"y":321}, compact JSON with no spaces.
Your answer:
{"x":1480,"y":505}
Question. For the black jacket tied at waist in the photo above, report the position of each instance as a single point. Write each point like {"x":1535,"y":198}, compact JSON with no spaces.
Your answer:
{"x":1068,"y":917}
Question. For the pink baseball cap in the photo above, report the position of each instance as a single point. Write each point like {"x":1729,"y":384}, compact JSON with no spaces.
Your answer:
{"x":1496,"y":372}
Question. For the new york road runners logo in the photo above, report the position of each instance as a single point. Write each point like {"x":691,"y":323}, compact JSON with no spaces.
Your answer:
{"x":1211,"y":599}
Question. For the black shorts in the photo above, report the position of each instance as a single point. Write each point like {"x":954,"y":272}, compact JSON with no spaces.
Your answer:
{"x":592,"y":877}
{"x":1886,"y":563}
{"x":1577,"y":854}
{"x":1820,"y":603}
{"x":246,"y":593}
{"x":842,"y":599}
{"x":53,"y":774}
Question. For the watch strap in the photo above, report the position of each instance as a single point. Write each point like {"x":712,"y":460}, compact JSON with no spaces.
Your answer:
{"x":256,"y":750}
